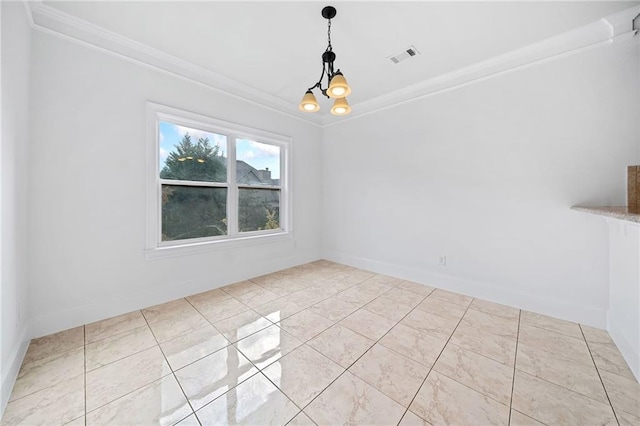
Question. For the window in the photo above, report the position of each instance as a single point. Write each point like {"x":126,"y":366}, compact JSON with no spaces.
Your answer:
{"x":213,"y":183}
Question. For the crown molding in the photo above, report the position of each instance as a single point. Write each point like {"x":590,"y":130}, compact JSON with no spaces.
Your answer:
{"x":613,"y":28}
{"x":27,"y":9}
{"x":621,"y":23}
{"x":51,"y":20}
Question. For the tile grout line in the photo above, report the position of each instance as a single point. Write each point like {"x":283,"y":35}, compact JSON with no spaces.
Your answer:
{"x":527,"y":373}
{"x":356,"y":360}
{"x":423,"y":298}
{"x":346,"y":369}
{"x":230,"y":389}
{"x":314,"y":349}
{"x":253,"y":309}
{"x":117,"y":335}
{"x":193,"y":412}
{"x":564,"y":386}
{"x":515,"y":361}
{"x":471,"y":308}
{"x":136,"y":389}
{"x":528,"y":324}
{"x":435,"y":361}
{"x":207,"y":319}
{"x":280,"y":390}
{"x":599,"y":376}
{"x":260,"y":371}
{"x":323,"y":300}
{"x":252,"y":376}
{"x":124,"y":357}
{"x":85,"y":372}
{"x":483,"y":356}
{"x":439,"y":316}
{"x":218,"y":331}
{"x":406,"y":315}
{"x":307,"y":287}
{"x":364,"y":307}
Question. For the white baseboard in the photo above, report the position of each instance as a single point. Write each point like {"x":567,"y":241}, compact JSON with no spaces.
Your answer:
{"x":153,"y":295}
{"x":10,"y":371}
{"x":625,"y":344}
{"x":590,"y":316}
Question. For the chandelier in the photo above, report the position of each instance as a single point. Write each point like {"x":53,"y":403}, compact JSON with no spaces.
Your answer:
{"x":336,"y":87}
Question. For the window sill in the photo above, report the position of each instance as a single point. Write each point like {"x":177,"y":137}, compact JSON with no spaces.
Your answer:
{"x":208,"y":246}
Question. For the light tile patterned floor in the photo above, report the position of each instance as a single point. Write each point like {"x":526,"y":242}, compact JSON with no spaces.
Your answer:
{"x":326,"y":344}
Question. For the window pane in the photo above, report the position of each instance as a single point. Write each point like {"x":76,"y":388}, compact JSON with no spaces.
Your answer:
{"x":258,"y":209}
{"x":193,"y":212}
{"x":257,"y":163}
{"x":191,"y":154}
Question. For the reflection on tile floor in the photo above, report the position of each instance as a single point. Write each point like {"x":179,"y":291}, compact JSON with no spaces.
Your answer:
{"x":326,"y":344}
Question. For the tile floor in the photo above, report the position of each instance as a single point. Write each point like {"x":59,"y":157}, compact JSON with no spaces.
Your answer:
{"x":326,"y":344}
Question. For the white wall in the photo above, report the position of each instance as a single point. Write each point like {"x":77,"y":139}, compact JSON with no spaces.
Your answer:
{"x":87,"y":188}
{"x":485,"y":174}
{"x":624,"y":304}
{"x":16,"y":39}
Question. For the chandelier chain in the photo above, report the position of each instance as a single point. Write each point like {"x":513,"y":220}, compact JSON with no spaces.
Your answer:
{"x":329,"y":47}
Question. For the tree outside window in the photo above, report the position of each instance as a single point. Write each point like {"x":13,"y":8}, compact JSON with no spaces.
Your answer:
{"x":197,"y":196}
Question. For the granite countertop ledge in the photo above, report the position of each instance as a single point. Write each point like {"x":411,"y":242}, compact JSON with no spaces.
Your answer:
{"x":616,"y":212}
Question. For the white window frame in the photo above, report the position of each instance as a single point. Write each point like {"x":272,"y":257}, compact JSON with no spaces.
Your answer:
{"x":155,"y":247}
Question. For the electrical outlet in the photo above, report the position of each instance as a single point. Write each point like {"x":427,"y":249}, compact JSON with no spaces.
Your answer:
{"x":442,"y":260}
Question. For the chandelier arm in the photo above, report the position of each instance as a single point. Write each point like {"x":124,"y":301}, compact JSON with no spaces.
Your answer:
{"x":325,"y":70}
{"x":319,"y":83}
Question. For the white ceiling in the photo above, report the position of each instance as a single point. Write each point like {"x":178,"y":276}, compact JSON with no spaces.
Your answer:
{"x":275,"y":47}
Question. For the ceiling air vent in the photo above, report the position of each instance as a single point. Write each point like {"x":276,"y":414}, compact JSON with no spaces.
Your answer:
{"x":405,"y":54}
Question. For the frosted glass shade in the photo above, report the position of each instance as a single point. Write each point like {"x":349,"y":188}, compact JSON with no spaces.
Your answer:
{"x":338,"y":87}
{"x":340,"y":107}
{"x":309,"y":102}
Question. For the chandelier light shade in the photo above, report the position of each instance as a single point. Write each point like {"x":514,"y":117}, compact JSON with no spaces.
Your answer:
{"x":309,"y":102}
{"x":340,"y":107}
{"x":338,"y":88}
{"x":336,"y":85}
